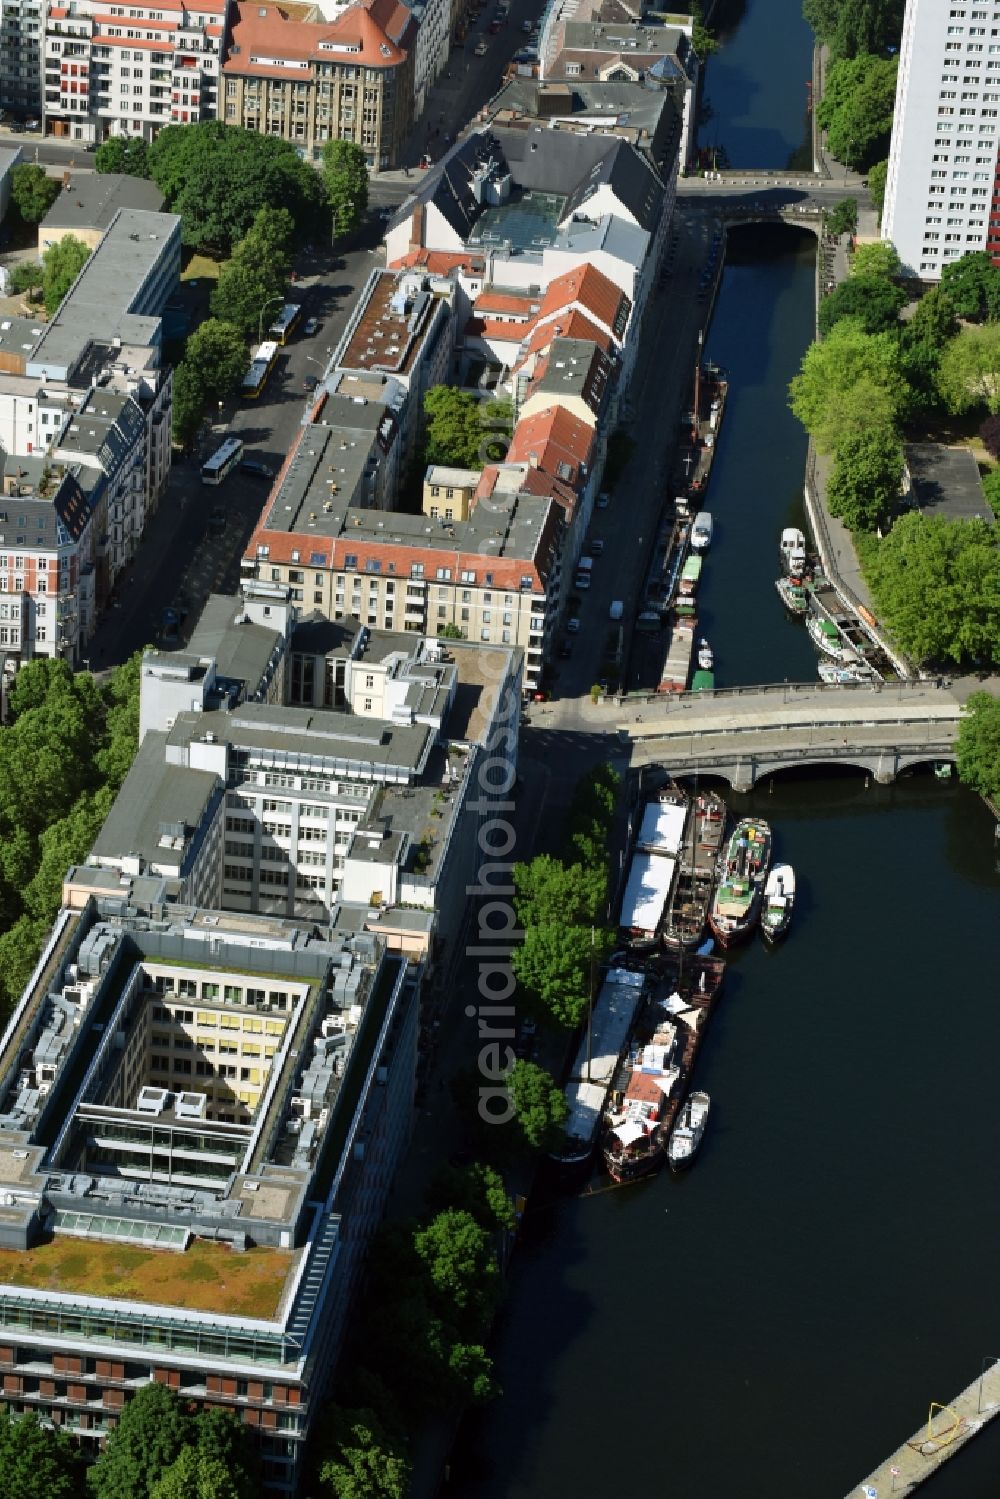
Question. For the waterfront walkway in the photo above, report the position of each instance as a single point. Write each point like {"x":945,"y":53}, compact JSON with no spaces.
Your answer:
{"x":947,"y":1429}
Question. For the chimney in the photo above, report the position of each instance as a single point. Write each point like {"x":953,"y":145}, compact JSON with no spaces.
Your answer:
{"x":417,"y":227}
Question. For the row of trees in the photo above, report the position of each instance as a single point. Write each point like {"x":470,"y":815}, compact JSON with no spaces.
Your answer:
{"x":218,"y":177}
{"x":873,"y":374}
{"x":63,"y":757}
{"x":853,"y":28}
{"x":856,"y":109}
{"x":979,"y":745}
{"x":160,"y":1449}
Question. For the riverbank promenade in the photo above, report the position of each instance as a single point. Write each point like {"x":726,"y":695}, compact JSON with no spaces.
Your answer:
{"x":946,"y":1431}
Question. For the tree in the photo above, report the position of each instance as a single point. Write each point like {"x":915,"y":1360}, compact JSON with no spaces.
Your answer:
{"x":19,"y":949}
{"x":989,"y":431}
{"x":462,"y":431}
{"x":257,"y":273}
{"x":853,"y":26}
{"x":540,"y":1106}
{"x":222,"y":1439}
{"x":448,"y":631}
{"x":969,"y":369}
{"x":849,"y":381}
{"x":866,"y":479}
{"x":33,"y":192}
{"x":26,"y":276}
{"x":152,"y":1432}
{"x":345,"y":176}
{"x":991,"y":489}
{"x":218,"y":177}
{"x":475,"y":1189}
{"x":461,"y":1266}
{"x":127,"y":154}
{"x":972,"y":286}
{"x":195,"y":1475}
{"x":936,"y":583}
{"x":857,"y":108}
{"x":876,"y":185}
{"x":877,"y":259}
{"x":548,"y":890}
{"x":61,"y":264}
{"x":35,"y":1462}
{"x":843,"y":219}
{"x":364,"y":1463}
{"x":874,"y":302}
{"x":921,"y":341}
{"x":188,"y":403}
{"x":978,"y":744}
{"x":554,"y":964}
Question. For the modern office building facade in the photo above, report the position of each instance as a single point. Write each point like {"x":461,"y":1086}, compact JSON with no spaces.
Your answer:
{"x":942,"y":196}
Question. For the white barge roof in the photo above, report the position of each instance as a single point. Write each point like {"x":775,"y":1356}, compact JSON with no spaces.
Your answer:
{"x":662,"y":828}
{"x":610,"y":1024}
{"x":586,"y":1100}
{"x":650,"y":877}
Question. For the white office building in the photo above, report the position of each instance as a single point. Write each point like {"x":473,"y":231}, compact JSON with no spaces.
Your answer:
{"x":941,"y":190}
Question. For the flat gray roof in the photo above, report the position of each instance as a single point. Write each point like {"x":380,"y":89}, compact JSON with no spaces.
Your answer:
{"x":90,"y":200}
{"x":154,"y":793}
{"x":241,"y":651}
{"x":946,"y":481}
{"x":311,"y":732}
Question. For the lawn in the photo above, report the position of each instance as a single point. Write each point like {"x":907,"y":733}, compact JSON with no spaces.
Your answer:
{"x":200,"y":268}
{"x":205,"y":1278}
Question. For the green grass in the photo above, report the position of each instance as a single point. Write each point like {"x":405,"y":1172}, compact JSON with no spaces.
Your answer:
{"x":201,"y":268}
{"x":207,"y":1277}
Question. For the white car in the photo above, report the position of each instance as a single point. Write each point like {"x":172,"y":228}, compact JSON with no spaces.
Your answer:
{"x":573,"y":626}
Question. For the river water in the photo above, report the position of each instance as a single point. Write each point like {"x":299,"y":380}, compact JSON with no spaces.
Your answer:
{"x":778,"y":1319}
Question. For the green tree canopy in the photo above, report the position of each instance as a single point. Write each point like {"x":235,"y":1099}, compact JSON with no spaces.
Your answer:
{"x":843,"y":217}
{"x":252,"y":283}
{"x":125,"y":154}
{"x":540,"y":1106}
{"x":461,"y":1265}
{"x":462,"y":431}
{"x":921,"y":341}
{"x":875,"y":259}
{"x":850,"y":27}
{"x":876,"y":185}
{"x":26,"y":276}
{"x":61,"y":264}
{"x":33,"y":192}
{"x":873,"y":301}
{"x":345,"y":176}
{"x":548,"y":890}
{"x":364,"y":1463}
{"x":213,"y":366}
{"x":867,"y":476}
{"x":969,"y":369}
{"x":936,"y":584}
{"x":554,"y":963}
{"x":849,"y":381}
{"x":477,"y":1190}
{"x":972,"y":286}
{"x":152,"y":1432}
{"x":36,"y":1463}
{"x":979,"y":744}
{"x":857,"y":108}
{"x":218,"y":177}
{"x":195,"y":1474}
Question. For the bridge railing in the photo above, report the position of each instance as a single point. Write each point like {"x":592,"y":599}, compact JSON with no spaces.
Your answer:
{"x":930,"y":749}
{"x":787,"y":690}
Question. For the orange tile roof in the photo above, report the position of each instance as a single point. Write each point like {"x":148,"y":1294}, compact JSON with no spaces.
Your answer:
{"x":575,"y":325}
{"x":511,"y":333}
{"x":501,"y":301}
{"x":397,"y":558}
{"x":439,"y":262}
{"x":553,"y":440}
{"x":643,"y":1087}
{"x":534,"y":481}
{"x":592,"y":289}
{"x":271,"y":31}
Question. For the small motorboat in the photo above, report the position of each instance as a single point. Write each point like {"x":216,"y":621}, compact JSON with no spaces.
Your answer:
{"x":793,"y":552}
{"x":701,"y":531}
{"x":779,"y":898}
{"x":706,"y":657}
{"x":834,"y":675}
{"x":794,"y":595}
{"x":827,"y":638}
{"x":688,"y":1132}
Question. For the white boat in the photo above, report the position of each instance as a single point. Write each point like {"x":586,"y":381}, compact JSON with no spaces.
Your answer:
{"x":793,"y":551}
{"x":827,"y":638}
{"x":701,"y":531}
{"x":687,"y":1133}
{"x":835,"y":675}
{"x":706,"y":656}
{"x":779,"y":898}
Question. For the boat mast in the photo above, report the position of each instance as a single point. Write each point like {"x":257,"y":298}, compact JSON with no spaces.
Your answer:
{"x":590,"y":1005}
{"x":696,"y":424}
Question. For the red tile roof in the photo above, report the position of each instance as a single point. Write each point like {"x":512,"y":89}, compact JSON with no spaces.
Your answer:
{"x":555,"y":441}
{"x":273,"y":32}
{"x":595,"y":293}
{"x":574,"y":325}
{"x":501,"y":301}
{"x":534,"y":482}
{"x":439,"y":262}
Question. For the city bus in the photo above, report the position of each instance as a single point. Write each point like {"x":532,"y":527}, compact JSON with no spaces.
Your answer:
{"x":286,"y":322}
{"x":222,"y":462}
{"x":257,"y":375}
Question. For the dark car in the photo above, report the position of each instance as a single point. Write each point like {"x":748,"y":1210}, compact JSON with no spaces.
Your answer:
{"x":170,"y":627}
{"x":565,"y":650}
{"x":217,"y":519}
{"x":311,"y":327}
{"x":17,"y":126}
{"x":254,"y":466}
{"x":310,"y":383}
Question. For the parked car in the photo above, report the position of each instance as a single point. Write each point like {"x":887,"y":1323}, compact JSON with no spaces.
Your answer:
{"x":170,"y":627}
{"x":526,"y":27}
{"x":495,"y":27}
{"x":573,"y":625}
{"x":217,"y":519}
{"x":310,"y":327}
{"x":565,"y":650}
{"x":596,"y":548}
{"x":310,"y":383}
{"x":425,"y":162}
{"x":32,"y":124}
{"x":603,"y":500}
{"x":481,"y":48}
{"x":254,"y":466}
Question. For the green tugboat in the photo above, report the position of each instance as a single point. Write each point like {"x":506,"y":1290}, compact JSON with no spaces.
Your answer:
{"x":740,"y":890}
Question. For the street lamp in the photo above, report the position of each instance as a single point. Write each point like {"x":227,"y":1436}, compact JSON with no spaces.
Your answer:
{"x":260,"y":321}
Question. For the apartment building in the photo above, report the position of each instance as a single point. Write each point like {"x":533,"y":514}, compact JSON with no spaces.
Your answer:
{"x":130,"y":70}
{"x":22,"y":27}
{"x":309,"y":78}
{"x":9,"y":159}
{"x":87,"y":206}
{"x":227,"y":1098}
{"x":430,"y":48}
{"x":942,"y":195}
{"x":648,"y":117}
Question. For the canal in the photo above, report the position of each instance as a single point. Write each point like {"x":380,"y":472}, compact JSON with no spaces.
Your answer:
{"x":777,"y":1319}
